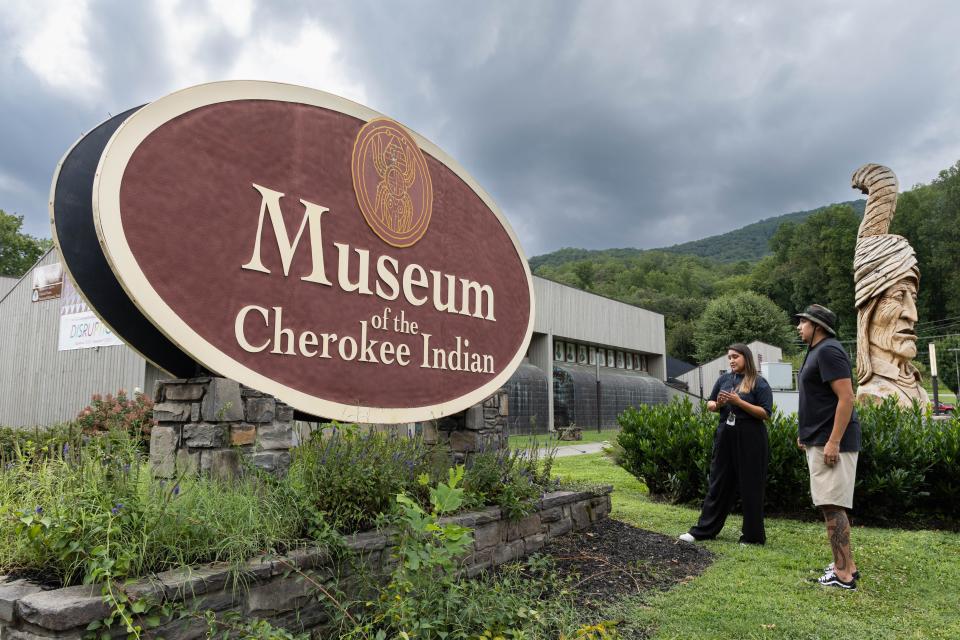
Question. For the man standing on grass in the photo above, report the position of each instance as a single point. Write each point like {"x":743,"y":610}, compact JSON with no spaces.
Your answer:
{"x":829,"y":432}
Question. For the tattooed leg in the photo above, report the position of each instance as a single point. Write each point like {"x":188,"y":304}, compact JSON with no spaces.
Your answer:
{"x":838,"y":531}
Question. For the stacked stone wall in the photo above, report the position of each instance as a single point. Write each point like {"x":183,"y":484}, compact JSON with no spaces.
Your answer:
{"x":283,"y":589}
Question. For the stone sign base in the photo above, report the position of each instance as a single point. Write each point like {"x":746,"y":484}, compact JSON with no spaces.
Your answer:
{"x":482,"y":427}
{"x":212,"y":424}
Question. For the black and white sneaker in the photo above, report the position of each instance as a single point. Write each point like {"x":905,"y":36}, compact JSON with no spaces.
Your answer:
{"x":830,"y":568}
{"x":830,"y":579}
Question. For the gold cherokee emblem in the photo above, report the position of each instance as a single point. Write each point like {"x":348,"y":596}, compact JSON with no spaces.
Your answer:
{"x":392,"y":183}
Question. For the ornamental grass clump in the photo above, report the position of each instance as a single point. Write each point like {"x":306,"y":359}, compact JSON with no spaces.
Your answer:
{"x":94,"y":512}
{"x":37,"y":443}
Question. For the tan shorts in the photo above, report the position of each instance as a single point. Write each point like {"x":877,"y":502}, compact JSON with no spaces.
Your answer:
{"x":832,"y":484}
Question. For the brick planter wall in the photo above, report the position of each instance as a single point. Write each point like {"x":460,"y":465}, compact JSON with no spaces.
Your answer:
{"x":272,"y":591}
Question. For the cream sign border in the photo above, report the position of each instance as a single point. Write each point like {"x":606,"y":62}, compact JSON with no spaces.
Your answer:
{"x":106,"y":213}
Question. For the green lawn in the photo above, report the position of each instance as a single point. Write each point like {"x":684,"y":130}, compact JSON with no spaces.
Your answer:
{"x":910,"y":586}
{"x":589,"y":435}
{"x":943,"y":392}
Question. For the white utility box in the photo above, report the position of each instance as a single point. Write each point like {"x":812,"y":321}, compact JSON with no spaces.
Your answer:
{"x":779,"y":375}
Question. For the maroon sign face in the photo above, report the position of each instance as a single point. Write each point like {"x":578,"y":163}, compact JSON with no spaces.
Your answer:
{"x":312,"y":249}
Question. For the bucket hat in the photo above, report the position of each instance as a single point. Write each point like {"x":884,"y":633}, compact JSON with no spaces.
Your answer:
{"x":821,"y":315}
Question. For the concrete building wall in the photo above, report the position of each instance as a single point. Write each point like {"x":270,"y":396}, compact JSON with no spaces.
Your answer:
{"x":565,"y":312}
{"x":38,"y":384}
{"x":762,"y":352}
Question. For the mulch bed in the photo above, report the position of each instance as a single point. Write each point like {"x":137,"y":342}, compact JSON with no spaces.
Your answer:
{"x":613,"y":560}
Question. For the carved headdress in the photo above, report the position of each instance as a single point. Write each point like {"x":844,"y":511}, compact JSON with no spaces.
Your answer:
{"x":881,"y":259}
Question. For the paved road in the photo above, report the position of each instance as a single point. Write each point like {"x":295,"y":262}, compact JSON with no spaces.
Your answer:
{"x":579,"y":449}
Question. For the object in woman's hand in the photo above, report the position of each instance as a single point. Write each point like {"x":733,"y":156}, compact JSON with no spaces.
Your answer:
{"x":724,"y":395}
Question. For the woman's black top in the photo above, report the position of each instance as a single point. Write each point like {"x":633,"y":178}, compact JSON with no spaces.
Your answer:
{"x":761,"y":395}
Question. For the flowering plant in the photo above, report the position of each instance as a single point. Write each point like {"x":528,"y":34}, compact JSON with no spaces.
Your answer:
{"x":131,"y":414}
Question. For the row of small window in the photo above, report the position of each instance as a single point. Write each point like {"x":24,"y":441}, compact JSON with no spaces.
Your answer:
{"x":584,"y":354}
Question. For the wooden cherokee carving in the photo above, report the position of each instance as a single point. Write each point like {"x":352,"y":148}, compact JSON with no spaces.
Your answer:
{"x":886,"y":278}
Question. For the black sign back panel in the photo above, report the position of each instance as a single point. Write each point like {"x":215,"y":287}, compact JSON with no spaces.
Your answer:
{"x":83,"y":255}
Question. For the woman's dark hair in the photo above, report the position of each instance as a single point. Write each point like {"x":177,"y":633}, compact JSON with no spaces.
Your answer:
{"x":749,"y":368}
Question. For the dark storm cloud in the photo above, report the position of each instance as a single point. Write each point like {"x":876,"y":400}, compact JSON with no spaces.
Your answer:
{"x":646,"y":126}
{"x":591,"y":124}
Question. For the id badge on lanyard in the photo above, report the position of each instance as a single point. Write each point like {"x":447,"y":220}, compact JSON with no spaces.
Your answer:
{"x":731,"y":416}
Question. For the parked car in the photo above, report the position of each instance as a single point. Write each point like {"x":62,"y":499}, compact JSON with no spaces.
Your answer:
{"x":943,"y":407}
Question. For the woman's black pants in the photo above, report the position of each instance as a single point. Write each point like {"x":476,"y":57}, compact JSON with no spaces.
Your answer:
{"x":739,"y":465}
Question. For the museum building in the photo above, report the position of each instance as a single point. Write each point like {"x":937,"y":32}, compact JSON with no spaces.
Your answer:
{"x":589,"y":358}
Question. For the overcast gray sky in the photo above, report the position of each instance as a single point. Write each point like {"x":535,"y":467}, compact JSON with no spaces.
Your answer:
{"x":592,"y":124}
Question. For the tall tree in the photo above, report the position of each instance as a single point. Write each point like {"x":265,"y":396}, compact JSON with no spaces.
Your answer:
{"x":741,"y":317}
{"x":680,"y":342}
{"x":813,"y":262}
{"x":929,"y":217}
{"x":18,"y":251}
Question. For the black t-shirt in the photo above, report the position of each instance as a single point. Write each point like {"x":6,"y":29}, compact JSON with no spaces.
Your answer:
{"x":825,"y":362}
{"x":761,"y":395}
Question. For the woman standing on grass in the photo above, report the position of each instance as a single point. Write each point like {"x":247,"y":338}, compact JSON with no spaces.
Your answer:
{"x":741,"y":449}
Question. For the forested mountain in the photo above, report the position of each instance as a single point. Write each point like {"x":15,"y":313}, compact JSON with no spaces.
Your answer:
{"x":808,"y":257}
{"x":750,"y":243}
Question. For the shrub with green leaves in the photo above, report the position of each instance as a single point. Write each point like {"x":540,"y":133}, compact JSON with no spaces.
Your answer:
{"x":894,"y":460}
{"x":942,"y":479}
{"x":668,"y":447}
{"x":788,"y":481}
{"x":908,"y":463}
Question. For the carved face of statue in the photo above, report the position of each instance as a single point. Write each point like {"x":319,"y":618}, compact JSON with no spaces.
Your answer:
{"x":891,"y":326}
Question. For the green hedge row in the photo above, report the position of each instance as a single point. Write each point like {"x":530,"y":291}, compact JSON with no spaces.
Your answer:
{"x":909,"y":463}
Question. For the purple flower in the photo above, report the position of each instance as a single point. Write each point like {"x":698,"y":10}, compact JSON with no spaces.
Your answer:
{"x":66,"y":449}
{"x":176,"y":490}
{"x":116,"y":509}
{"x":39,"y":510}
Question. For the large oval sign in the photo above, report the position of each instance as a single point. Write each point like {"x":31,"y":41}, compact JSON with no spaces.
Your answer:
{"x":310,"y":248}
